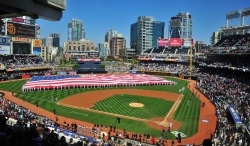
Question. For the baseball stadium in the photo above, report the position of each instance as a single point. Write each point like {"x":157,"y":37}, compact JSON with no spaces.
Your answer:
{"x":171,"y":95}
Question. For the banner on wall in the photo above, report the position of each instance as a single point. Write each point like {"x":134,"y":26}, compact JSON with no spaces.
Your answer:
{"x":61,"y":73}
{"x":175,"y":42}
{"x":37,"y":46}
{"x":16,"y":29}
{"x":187,"y":43}
{"x":36,"y":43}
{"x":234,"y":114}
{"x":162,"y":42}
{"x":37,"y":50}
{"x":25,"y":76}
{"x":47,"y":74}
{"x":18,"y":39}
{"x":4,"y":45}
{"x":72,"y":73}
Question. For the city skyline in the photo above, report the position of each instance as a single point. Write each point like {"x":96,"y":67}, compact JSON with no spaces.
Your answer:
{"x":99,"y":16}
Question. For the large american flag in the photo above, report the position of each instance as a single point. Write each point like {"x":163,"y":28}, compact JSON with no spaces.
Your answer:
{"x":50,"y":82}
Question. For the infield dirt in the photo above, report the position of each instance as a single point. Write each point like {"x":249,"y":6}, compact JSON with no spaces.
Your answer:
{"x":204,"y":129}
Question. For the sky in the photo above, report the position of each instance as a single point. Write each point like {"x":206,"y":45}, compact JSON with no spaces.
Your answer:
{"x":99,"y":16}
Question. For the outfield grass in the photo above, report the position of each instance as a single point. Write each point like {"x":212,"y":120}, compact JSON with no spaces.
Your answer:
{"x":119,"y":104}
{"x":187,"y":116}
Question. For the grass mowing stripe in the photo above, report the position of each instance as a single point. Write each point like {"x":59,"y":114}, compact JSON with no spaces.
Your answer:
{"x":115,"y":104}
{"x":134,"y":110}
{"x":33,"y":97}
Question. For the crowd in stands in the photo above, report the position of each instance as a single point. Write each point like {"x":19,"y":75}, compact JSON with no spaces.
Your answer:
{"x":223,"y":91}
{"x":17,"y":75}
{"x":22,"y":61}
{"x":180,"y":69}
{"x":245,"y":41}
{"x":240,"y":62}
{"x":229,"y":50}
{"x":232,"y":44}
{"x":116,"y":66}
{"x":232,"y":40}
{"x":22,"y":127}
{"x":166,"y":51}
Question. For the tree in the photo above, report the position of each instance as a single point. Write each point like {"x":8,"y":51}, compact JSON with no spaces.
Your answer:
{"x":102,"y":65}
{"x":53,"y":59}
{"x":133,"y":61}
{"x":63,"y":60}
{"x":75,"y":66}
{"x":102,"y":58}
{"x":110,"y":58}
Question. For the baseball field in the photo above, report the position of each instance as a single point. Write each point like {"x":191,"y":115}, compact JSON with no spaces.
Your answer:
{"x":143,"y":109}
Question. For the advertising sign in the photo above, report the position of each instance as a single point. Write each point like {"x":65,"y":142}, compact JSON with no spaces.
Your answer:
{"x":175,"y":42}
{"x":157,"y":59}
{"x":47,"y":74}
{"x":37,"y":50}
{"x":16,"y":39}
{"x":83,"y":59}
{"x":162,"y":42}
{"x":187,"y":43}
{"x":21,"y":48}
{"x":235,"y":115}
{"x":36,"y":43}
{"x":4,"y":45}
{"x":61,"y":73}
{"x":21,"y":20}
{"x":16,"y":29}
{"x":72,"y":73}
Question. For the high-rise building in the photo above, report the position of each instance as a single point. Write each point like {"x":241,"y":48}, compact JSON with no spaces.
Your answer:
{"x":145,"y":33}
{"x":81,"y":48}
{"x":108,"y":36}
{"x":102,"y":50}
{"x":111,"y":33}
{"x":133,"y":35}
{"x":180,"y":27}
{"x":107,"y":52}
{"x":116,"y":45}
{"x":54,"y":40}
{"x":43,"y":39}
{"x":75,"y":30}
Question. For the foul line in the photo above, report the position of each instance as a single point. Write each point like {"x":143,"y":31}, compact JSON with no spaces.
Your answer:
{"x":107,"y":113}
{"x":174,"y":106}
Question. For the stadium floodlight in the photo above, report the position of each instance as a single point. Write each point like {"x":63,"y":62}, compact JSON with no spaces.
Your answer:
{"x":245,"y":12}
{"x":233,"y":15}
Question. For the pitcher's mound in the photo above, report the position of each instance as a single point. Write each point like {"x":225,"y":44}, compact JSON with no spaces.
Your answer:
{"x":134,"y":104}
